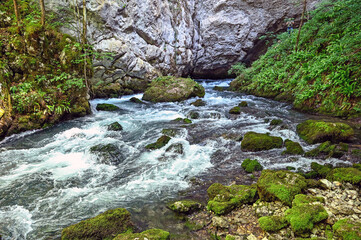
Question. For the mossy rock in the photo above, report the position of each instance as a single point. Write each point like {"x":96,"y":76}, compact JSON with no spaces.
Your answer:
{"x":254,"y":142}
{"x":106,"y":107}
{"x":219,"y":88}
{"x":243,"y":104}
{"x":303,"y":217}
{"x":293,"y":148}
{"x":161,"y":142}
{"x":276,"y":122}
{"x":171,"y":132}
{"x":251,"y":165}
{"x":347,"y":229}
{"x":235,"y":110}
{"x":280,"y":185}
{"x":272,"y":223}
{"x":107,"y":154}
{"x":185,"y":206}
{"x":172,"y":89}
{"x":115,"y":126}
{"x":230,"y":237}
{"x":183,"y":120}
{"x":193,"y":115}
{"x":136,"y":100}
{"x":104,"y":226}
{"x":357,"y":166}
{"x":151,"y":234}
{"x":313,"y":131}
{"x":305,"y":199}
{"x":327,"y":150}
{"x":320,"y":170}
{"x":350,"y":175}
{"x":198,"y":103}
{"x":175,"y":148}
{"x":223,"y":199}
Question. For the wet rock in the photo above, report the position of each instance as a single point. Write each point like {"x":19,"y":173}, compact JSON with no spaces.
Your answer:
{"x":185,"y":206}
{"x":156,"y":234}
{"x":292,"y":148}
{"x":107,"y":154}
{"x":243,"y":104}
{"x":276,"y":122}
{"x":235,"y":110}
{"x":347,"y":229}
{"x":171,"y":132}
{"x":280,"y":185}
{"x":223,"y":199}
{"x":115,"y":126}
{"x":175,"y":148}
{"x":313,"y":131}
{"x":161,"y":142}
{"x":193,"y":115}
{"x":103,"y":226}
{"x":182,"y":120}
{"x":106,"y":107}
{"x":255,"y":142}
{"x":198,"y":103}
{"x":136,"y":100}
{"x":251,"y":165}
{"x":172,"y":89}
{"x":219,"y":88}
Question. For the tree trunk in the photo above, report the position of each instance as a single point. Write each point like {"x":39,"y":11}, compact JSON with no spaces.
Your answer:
{"x":42,"y":7}
{"x":16,"y":9}
{"x":299,"y":29}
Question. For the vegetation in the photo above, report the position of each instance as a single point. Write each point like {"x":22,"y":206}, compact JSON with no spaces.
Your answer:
{"x":324,"y":74}
{"x":185,"y":206}
{"x":161,"y":142}
{"x":255,"y":142}
{"x":251,"y":165}
{"x":272,"y":223}
{"x":293,"y":148}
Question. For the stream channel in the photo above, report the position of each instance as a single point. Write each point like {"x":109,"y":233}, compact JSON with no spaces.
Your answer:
{"x":50,"y":180}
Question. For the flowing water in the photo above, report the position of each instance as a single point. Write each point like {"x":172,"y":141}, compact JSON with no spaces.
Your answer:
{"x":49,"y":179}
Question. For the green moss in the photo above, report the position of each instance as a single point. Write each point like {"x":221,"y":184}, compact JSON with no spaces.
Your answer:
{"x":183,"y":120}
{"x":115,"y":126}
{"x":303,"y":217}
{"x":184,"y":206}
{"x":161,"y":142}
{"x":151,"y":234}
{"x":230,"y":237}
{"x":313,"y":131}
{"x":350,"y":175}
{"x":251,"y":165}
{"x":357,"y":166}
{"x":320,"y":170}
{"x":198,"y":103}
{"x":272,"y":223}
{"x":235,"y":110}
{"x":172,"y":89}
{"x":327,"y":150}
{"x":276,"y":122}
{"x":106,"y":107}
{"x":347,"y":229}
{"x":243,"y":104}
{"x":293,"y":148}
{"x":305,"y":199}
{"x":104,"y":226}
{"x":136,"y":100}
{"x":258,"y":142}
{"x":223,"y":199}
{"x":280,"y":185}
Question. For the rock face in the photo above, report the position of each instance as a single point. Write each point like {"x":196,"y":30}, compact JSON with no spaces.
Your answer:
{"x":185,"y":37}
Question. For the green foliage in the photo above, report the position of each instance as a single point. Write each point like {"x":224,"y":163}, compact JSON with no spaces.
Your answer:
{"x":324,"y":75}
{"x":251,"y":165}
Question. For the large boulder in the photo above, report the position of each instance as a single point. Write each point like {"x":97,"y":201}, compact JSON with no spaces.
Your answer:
{"x":104,"y":226}
{"x":107,"y":154}
{"x":172,"y":89}
{"x":350,"y":175}
{"x":254,"y":142}
{"x":184,"y":206}
{"x":280,"y":185}
{"x":313,"y":131}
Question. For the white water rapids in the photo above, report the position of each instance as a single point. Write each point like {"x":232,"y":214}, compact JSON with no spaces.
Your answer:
{"x":49,"y":179}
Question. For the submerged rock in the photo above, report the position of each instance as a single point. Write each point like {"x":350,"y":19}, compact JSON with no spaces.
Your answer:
{"x":136,"y":100}
{"x":175,"y":148}
{"x":198,"y":103}
{"x":183,"y":120}
{"x":313,"y":131}
{"x":151,"y":234}
{"x":280,"y":185}
{"x":235,"y":110}
{"x":115,"y":126}
{"x":251,"y":165}
{"x":107,"y":154}
{"x":276,"y":122}
{"x":161,"y":142}
{"x":255,"y":142}
{"x":171,"y":132}
{"x":172,"y":89}
{"x":193,"y":115}
{"x":104,"y":226}
{"x":223,"y":199}
{"x":293,"y":148}
{"x":185,"y":206}
{"x":243,"y":104}
{"x":106,"y":107}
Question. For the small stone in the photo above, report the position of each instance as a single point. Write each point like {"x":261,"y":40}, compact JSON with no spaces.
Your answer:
{"x":251,"y":237}
{"x":220,"y":222}
{"x":326,"y":184}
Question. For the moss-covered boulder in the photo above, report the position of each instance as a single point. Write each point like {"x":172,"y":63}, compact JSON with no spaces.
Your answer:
{"x":303,"y":217}
{"x":235,"y":110}
{"x":161,"y":142}
{"x":280,"y":185}
{"x":243,"y":104}
{"x":104,"y":226}
{"x":319,"y":170}
{"x":151,"y":234}
{"x":136,"y":100}
{"x":327,"y":150}
{"x":183,"y":120}
{"x":293,"y":148}
{"x":276,"y":122}
{"x":184,"y":206}
{"x":193,"y":115}
{"x":198,"y":103}
{"x":222,"y":199}
{"x":251,"y":165}
{"x":107,"y":154}
{"x":347,"y":229}
{"x":172,"y":89}
{"x":254,"y":142}
{"x":305,"y":199}
{"x":106,"y":107}
{"x":115,"y":126}
{"x":313,"y":131}
{"x":272,"y":223}
{"x":350,"y":175}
